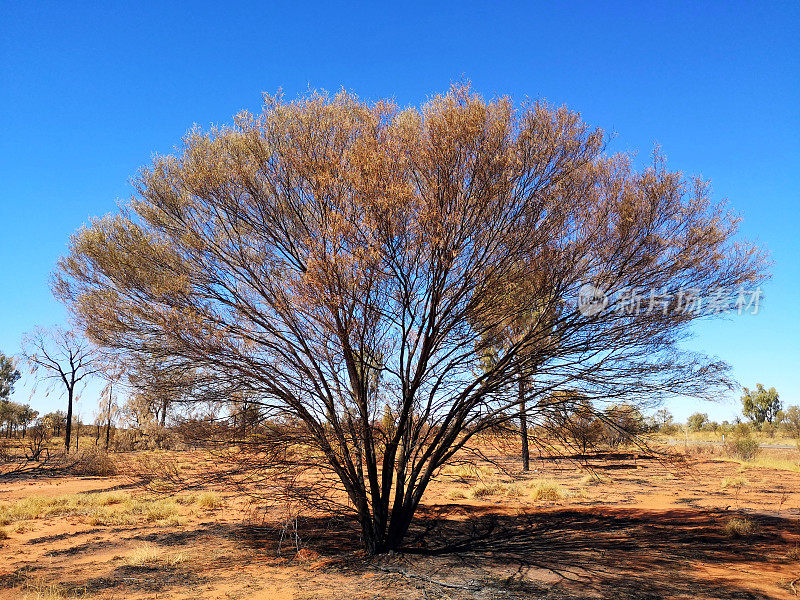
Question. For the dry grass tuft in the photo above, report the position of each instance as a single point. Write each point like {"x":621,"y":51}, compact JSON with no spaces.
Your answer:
{"x":456,"y":495}
{"x":3,"y":534}
{"x":481,"y":490}
{"x":514,"y":491}
{"x":794,"y":553}
{"x":148,"y":555}
{"x":592,"y":479}
{"x":209,"y":500}
{"x":464,"y":471}
{"x":740,"y":527}
{"x":49,"y":591}
{"x":736,"y":483}
{"x":546,"y":490}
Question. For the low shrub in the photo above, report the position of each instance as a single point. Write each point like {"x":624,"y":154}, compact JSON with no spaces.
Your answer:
{"x":92,"y":462}
{"x":744,"y":447}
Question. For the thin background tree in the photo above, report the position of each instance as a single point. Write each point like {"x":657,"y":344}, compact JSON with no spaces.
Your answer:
{"x":63,"y":360}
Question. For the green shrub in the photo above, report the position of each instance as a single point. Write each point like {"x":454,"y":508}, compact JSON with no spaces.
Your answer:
{"x":744,"y":447}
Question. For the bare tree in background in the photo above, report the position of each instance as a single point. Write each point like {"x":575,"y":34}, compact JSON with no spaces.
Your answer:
{"x":112,"y":372}
{"x":61,"y":357}
{"x":330,"y":259}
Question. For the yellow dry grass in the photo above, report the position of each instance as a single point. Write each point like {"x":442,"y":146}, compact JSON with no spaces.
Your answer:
{"x":740,"y":527}
{"x":546,"y":490}
{"x":736,"y":483}
{"x":108,"y":508}
{"x":149,"y":555}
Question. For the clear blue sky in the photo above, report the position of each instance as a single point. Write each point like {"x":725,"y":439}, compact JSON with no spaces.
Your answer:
{"x":88,"y":93}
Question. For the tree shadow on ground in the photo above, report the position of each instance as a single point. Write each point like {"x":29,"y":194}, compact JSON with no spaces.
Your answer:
{"x":613,"y":553}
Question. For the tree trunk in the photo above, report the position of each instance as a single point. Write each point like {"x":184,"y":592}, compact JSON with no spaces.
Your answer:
{"x":523,"y":427}
{"x":68,"y":432}
{"x":108,"y":416}
{"x":164,"y":413}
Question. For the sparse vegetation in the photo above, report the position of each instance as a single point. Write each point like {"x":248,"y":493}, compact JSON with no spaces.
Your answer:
{"x":740,"y":527}
{"x":546,"y":490}
{"x":793,"y":553}
{"x":456,"y":495}
{"x":481,"y":490}
{"x":150,"y":555}
{"x":744,"y":447}
{"x":111,"y":508}
{"x":733,"y":482}
{"x":209,"y":500}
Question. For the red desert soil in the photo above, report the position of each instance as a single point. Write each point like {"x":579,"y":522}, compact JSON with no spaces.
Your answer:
{"x":644,"y":530}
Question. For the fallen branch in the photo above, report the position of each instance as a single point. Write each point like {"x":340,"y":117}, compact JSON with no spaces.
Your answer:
{"x":404,"y":573}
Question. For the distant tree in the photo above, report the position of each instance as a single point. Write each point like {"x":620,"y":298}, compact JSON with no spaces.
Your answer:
{"x":15,"y":416}
{"x":791,"y":420}
{"x":157,"y":383}
{"x":7,"y":416}
{"x":55,"y":421}
{"x":9,"y":375}
{"x":622,"y":422}
{"x":663,"y":420}
{"x":112,"y":371}
{"x":61,"y":358}
{"x":697,"y":421}
{"x":761,"y":404}
{"x":25,"y":417}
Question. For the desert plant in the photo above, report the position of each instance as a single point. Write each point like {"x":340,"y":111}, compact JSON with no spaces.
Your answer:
{"x":547,"y":490}
{"x":733,"y":482}
{"x":377,"y":244}
{"x":209,"y":500}
{"x":456,"y":495}
{"x":740,"y":527}
{"x":744,"y":447}
{"x":149,"y":555}
{"x":92,"y":461}
{"x":481,"y":490}
{"x":793,"y":553}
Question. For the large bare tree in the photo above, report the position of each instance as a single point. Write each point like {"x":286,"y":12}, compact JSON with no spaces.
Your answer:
{"x":330,"y":258}
{"x":61,"y":357}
